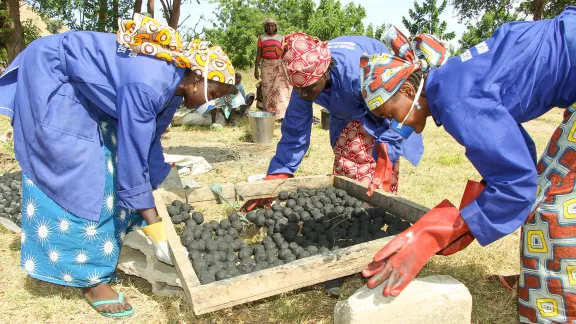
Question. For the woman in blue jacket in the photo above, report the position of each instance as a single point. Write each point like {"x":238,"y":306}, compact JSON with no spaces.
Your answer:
{"x":481,"y":98}
{"x":327,"y":73}
{"x":88,"y":112}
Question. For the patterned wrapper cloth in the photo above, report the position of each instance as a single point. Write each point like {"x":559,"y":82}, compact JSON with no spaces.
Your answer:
{"x":353,"y":156}
{"x":61,"y":248}
{"x":547,"y":286}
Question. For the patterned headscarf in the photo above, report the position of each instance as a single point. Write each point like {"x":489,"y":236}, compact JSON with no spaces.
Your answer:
{"x":306,"y":58}
{"x":382,"y":75}
{"x":144,"y":35}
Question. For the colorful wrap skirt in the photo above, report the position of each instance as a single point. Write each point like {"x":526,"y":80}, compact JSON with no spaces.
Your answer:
{"x":353,"y":156}
{"x":547,"y":284}
{"x":61,"y":248}
{"x":276,"y":89}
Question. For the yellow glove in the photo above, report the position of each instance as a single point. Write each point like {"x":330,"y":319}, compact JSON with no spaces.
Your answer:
{"x":157,"y":234}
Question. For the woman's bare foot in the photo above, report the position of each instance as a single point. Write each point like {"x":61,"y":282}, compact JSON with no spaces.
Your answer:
{"x":101,"y":292}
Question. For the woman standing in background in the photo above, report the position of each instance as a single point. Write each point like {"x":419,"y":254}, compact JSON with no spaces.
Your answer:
{"x":275,"y":87}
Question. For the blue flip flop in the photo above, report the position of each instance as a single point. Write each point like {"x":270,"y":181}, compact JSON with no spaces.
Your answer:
{"x":120,"y":300}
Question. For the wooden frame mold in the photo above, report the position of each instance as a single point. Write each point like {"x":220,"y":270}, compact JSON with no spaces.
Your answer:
{"x":277,"y":280}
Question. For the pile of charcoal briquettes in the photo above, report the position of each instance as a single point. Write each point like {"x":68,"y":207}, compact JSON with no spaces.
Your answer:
{"x":299,"y":224}
{"x":11,"y":196}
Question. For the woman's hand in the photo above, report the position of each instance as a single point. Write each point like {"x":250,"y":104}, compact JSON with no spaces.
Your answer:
{"x":256,"y":75}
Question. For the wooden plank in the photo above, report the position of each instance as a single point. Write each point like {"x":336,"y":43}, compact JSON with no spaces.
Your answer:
{"x":259,"y":189}
{"x":179,"y":253}
{"x":396,"y":205}
{"x":277,"y":280}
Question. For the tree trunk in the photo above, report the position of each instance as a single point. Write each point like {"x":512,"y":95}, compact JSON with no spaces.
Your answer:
{"x":538,"y":8}
{"x":11,"y":32}
{"x":102,"y":13}
{"x":150,"y":8}
{"x":138,"y":6}
{"x":175,"y":14}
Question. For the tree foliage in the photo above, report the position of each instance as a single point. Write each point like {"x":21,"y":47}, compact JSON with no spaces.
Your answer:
{"x":238,"y":23}
{"x":425,"y":18}
{"x":484,"y":29}
{"x":92,"y":15}
{"x":534,"y":9}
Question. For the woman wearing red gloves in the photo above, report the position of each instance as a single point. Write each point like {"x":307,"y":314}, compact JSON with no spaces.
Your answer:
{"x":481,"y":98}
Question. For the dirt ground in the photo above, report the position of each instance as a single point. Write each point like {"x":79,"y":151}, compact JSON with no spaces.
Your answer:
{"x":441,"y":174}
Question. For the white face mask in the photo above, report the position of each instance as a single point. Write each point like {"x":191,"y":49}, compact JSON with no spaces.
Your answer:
{"x":414,"y":103}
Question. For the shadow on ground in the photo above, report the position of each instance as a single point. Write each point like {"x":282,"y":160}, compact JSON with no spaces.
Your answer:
{"x":211,"y":154}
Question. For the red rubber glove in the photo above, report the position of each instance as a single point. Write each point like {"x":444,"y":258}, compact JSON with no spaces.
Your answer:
{"x":383,"y":175}
{"x":402,"y":259}
{"x":264,"y":202}
{"x":472,"y":191}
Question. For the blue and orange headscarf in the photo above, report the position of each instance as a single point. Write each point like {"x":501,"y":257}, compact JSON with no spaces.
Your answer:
{"x":144,"y":35}
{"x":382,"y":75}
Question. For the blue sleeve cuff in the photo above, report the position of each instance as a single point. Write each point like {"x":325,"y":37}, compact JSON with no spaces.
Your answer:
{"x":483,"y":229}
{"x":137,"y":198}
{"x":157,"y":179}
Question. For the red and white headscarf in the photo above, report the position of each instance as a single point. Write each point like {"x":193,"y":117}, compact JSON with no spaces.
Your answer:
{"x":306,"y":58}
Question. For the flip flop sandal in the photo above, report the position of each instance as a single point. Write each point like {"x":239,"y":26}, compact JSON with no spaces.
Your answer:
{"x":120,"y":300}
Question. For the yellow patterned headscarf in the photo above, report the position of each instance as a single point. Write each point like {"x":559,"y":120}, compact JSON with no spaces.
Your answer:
{"x":144,"y":35}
